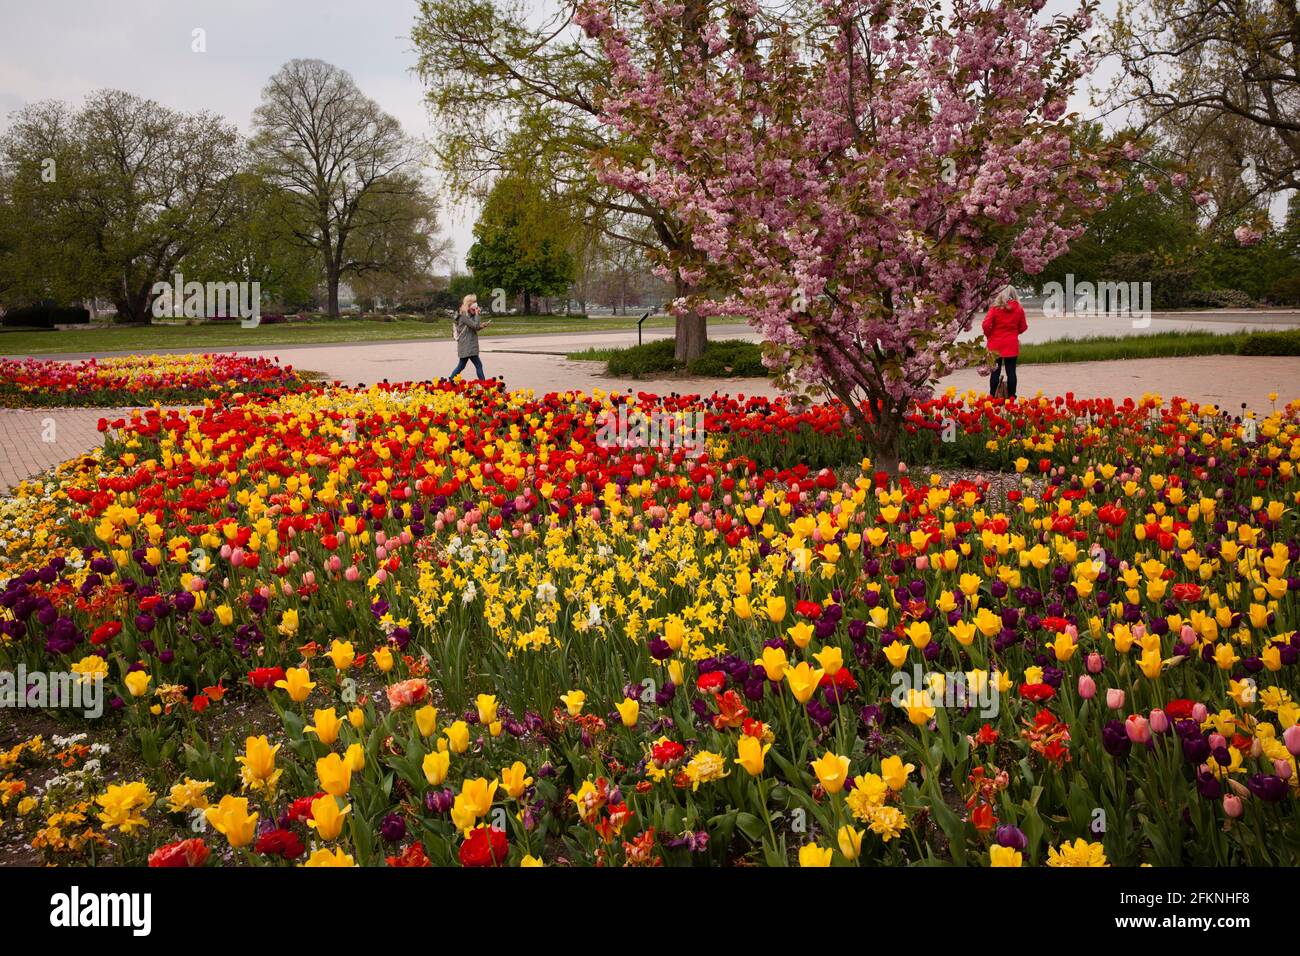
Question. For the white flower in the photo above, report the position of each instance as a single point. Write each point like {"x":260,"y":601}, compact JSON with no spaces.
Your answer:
{"x":546,"y":592}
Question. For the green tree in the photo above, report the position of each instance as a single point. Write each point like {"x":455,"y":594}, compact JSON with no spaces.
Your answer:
{"x":520,"y":241}
{"x":1148,"y":219}
{"x":259,"y":248}
{"x":113,"y":197}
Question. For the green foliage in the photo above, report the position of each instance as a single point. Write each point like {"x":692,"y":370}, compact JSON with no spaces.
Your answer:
{"x":520,"y":240}
{"x":1146,"y":230}
{"x":110,"y":199}
{"x":1272,"y":343}
{"x":728,"y":358}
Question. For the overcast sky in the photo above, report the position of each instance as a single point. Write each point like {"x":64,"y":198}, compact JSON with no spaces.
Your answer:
{"x":65,"y":49}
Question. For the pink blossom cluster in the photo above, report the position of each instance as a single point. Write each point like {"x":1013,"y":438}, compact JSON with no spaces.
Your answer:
{"x":856,"y":183}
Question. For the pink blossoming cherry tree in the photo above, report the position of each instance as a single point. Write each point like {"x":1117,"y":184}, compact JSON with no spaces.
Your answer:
{"x":858,"y":182}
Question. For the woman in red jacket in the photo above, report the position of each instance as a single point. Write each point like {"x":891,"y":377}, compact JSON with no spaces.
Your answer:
{"x":1002,"y":328}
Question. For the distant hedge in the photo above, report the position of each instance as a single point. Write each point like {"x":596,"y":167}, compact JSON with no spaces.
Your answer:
{"x":727,"y":358}
{"x":1271,"y":343}
{"x":45,"y":316}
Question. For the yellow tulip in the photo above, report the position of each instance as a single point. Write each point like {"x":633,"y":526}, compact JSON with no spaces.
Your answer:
{"x":803,"y":681}
{"x":137,"y":683}
{"x":356,"y":758}
{"x":832,"y":771}
{"x":487,"y":708}
{"x":258,"y":762}
{"x":831,"y":659}
{"x":327,"y":818}
{"x":323,"y":857}
{"x":515,"y":779}
{"x":774,"y":662}
{"x":342,"y":654}
{"x":629,"y":711}
{"x":297,"y":683}
{"x":435,"y":767}
{"x":326,"y":727}
{"x":232,"y":820}
{"x":478,"y":794}
{"x":335,"y":775}
{"x":750,"y":752}
{"x":800,"y":634}
{"x":573,"y":702}
{"x":896,"y":653}
{"x":458,"y":736}
{"x":811,"y":855}
{"x":895,"y":772}
{"x":850,"y":841}
{"x":426,"y":720}
{"x":1004,"y":856}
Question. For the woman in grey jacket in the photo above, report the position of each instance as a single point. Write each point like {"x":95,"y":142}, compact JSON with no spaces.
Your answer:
{"x":466,"y":328}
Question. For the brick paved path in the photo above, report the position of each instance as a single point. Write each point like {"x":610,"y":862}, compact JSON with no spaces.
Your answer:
{"x":33,"y":440}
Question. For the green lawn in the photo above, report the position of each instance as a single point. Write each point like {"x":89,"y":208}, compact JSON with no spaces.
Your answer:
{"x":103,"y":339}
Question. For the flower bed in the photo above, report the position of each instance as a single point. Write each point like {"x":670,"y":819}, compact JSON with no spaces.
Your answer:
{"x":447,"y":624}
{"x":137,"y":379}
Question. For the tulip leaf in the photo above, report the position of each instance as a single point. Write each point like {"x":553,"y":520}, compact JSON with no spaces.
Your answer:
{"x":750,"y":825}
{"x":954,"y":828}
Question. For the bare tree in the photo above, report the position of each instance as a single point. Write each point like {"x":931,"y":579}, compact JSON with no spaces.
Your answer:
{"x":346,"y":164}
{"x":1217,"y":78}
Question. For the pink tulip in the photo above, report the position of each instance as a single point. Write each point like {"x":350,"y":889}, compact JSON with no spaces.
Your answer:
{"x":1137,"y":728}
{"x":1087,"y":687}
{"x":1199,"y":713}
{"x":1291,"y":737}
{"x":309,"y":578}
{"x":1159,"y":721}
{"x":1282,"y":768}
{"x":334,"y":563}
{"x":1232,"y":805}
{"x":1217,"y":741}
{"x":352,"y":573}
{"x":1187,"y":635}
{"x":1115,"y":699}
{"x":1095,"y":663}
